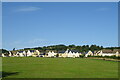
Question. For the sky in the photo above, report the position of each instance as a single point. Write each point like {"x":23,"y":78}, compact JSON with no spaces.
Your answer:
{"x":34,"y":24}
{"x":0,"y":25}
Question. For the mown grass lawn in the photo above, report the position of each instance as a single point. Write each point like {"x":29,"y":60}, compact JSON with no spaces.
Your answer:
{"x":35,"y":67}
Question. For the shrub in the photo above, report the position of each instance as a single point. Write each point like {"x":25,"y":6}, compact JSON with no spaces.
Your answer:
{"x":82,"y":56}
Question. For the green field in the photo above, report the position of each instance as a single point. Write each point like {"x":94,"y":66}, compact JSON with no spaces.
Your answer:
{"x":30,"y":67}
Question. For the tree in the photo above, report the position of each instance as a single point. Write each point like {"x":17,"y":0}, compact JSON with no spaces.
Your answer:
{"x":71,"y":46}
{"x":3,"y":51}
{"x":13,"y":49}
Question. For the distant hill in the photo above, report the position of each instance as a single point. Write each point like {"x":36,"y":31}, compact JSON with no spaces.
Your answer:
{"x":61,"y":47}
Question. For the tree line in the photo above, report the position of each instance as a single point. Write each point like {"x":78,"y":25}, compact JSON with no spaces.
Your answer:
{"x":57,"y":48}
{"x":82,"y":49}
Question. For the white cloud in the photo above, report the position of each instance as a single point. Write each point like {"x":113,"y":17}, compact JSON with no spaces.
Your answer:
{"x":26,"y":9}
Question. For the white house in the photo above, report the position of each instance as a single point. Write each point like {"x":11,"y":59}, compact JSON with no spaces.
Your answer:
{"x":35,"y":53}
{"x":89,"y":53}
{"x":20,"y":54}
{"x":98,"y":53}
{"x":29,"y":52}
{"x":108,"y":52}
{"x":77,"y":54}
{"x":51,"y":54}
{"x":117,"y":54}
{"x":10,"y":54}
{"x":65,"y":54}
{"x":69,"y":53}
{"x":3,"y":55}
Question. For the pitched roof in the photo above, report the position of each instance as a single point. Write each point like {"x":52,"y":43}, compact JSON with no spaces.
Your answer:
{"x":20,"y":51}
{"x":115,"y":50}
{"x":14,"y":52}
{"x":63,"y":51}
{"x":31,"y":50}
{"x":73,"y":51}
{"x":110,"y":51}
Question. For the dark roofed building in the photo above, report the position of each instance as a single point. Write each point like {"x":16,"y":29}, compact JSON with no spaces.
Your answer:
{"x":63,"y":51}
{"x":75,"y":51}
{"x":110,"y":51}
{"x":32,"y":51}
{"x":20,"y":51}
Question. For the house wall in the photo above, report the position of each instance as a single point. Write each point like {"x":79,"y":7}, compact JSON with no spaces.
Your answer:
{"x":108,"y":54}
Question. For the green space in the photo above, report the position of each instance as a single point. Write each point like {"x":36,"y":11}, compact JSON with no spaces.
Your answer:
{"x":36,"y":67}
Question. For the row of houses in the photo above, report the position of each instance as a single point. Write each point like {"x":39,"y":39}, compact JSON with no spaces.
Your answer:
{"x":103,"y":53}
{"x":28,"y":53}
{"x":67,"y":53}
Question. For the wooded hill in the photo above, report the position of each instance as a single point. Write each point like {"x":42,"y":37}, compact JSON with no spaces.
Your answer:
{"x":57,"y":48}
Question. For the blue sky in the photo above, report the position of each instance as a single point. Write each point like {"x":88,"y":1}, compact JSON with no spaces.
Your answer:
{"x":32,"y":24}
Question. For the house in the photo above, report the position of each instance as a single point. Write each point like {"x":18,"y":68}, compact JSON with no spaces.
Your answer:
{"x":117,"y":54}
{"x":77,"y":54}
{"x":27,"y":53}
{"x":51,"y":54}
{"x":20,"y":54}
{"x":108,"y":52}
{"x":10,"y":54}
{"x":30,"y":53}
{"x":89,"y":53}
{"x":69,"y":53}
{"x":42,"y":55}
{"x":14,"y":53}
{"x":61,"y":53}
{"x":3,"y":55}
{"x":36,"y":53}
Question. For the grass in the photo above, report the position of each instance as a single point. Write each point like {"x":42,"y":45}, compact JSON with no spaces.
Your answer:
{"x":30,"y":67}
